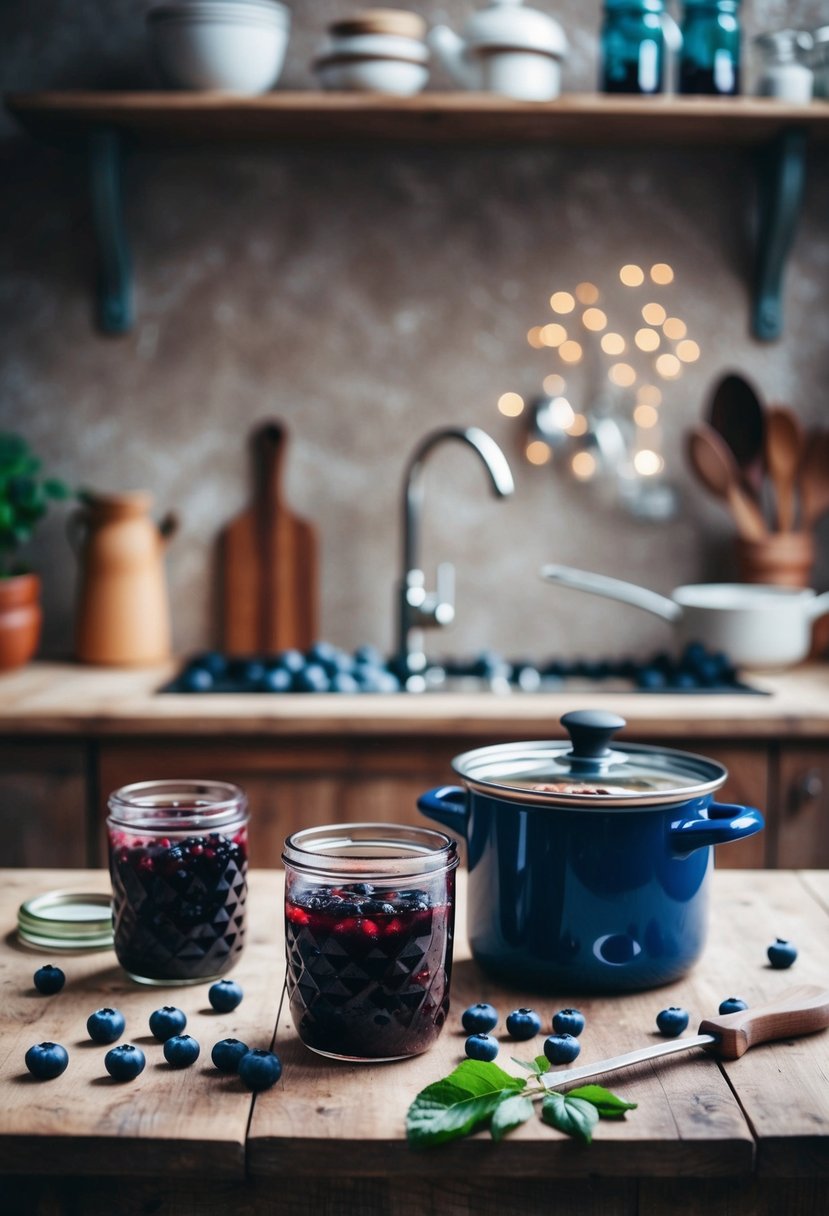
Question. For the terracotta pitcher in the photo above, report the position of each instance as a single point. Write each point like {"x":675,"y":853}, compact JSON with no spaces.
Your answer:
{"x":123,"y":614}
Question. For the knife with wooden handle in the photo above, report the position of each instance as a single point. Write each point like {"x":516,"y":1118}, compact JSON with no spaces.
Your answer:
{"x":799,"y":1011}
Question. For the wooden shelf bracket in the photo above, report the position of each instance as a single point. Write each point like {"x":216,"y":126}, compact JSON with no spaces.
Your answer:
{"x":114,"y":276}
{"x":781,"y":178}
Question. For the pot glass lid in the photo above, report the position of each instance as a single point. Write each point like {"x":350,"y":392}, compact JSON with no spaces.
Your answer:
{"x":66,"y":920}
{"x":587,"y":769}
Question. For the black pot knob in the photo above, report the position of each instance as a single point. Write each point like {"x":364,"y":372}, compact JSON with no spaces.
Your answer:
{"x":590,"y":731}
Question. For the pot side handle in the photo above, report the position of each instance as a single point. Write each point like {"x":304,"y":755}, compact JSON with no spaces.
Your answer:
{"x":447,"y":805}
{"x":613,"y":589}
{"x":724,"y":823}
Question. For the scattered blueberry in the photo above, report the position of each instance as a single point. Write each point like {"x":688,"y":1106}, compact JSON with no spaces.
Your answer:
{"x":782,"y":954}
{"x":277,"y":679}
{"x":196,"y":679}
{"x":480,"y":1018}
{"x":166,"y":1022}
{"x":732,"y":1004}
{"x":312,"y":678}
{"x":49,"y":980}
{"x":260,"y":1069}
{"x":568,"y":1021}
{"x":227,"y":1053}
{"x":124,"y":1063}
{"x":181,"y":1050}
{"x":672,"y":1021}
{"x":105,"y":1025}
{"x":481,"y":1047}
{"x":212,"y":661}
{"x":225,"y":995}
{"x":47,"y":1060}
{"x":523,"y":1024}
{"x":291,"y":660}
{"x":561,"y":1048}
{"x":344,"y":681}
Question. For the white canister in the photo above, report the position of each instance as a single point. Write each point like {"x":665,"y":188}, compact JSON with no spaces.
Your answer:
{"x":784,"y":74}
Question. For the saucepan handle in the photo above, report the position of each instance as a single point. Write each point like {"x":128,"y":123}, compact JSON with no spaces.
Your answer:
{"x":723,"y":823}
{"x":447,"y":805}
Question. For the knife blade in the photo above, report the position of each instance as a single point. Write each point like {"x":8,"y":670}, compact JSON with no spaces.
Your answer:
{"x":802,"y":1010}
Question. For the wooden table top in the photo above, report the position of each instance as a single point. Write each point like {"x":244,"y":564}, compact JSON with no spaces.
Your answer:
{"x":70,"y":699}
{"x":766,"y":1114}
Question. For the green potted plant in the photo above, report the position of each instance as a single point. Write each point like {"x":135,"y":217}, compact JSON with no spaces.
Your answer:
{"x":25,"y":496}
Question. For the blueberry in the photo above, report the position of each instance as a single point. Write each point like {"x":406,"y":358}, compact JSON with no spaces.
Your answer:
{"x":278,"y":679}
{"x":250,"y":673}
{"x":561,"y":1048}
{"x":260,"y":1069}
{"x":166,"y":1022}
{"x":568,"y":1021}
{"x":369,"y":656}
{"x":311,"y":678}
{"x":124,"y":1063}
{"x":47,"y":1060}
{"x":362,"y":888}
{"x":321,"y":652}
{"x":49,"y":980}
{"x":672,"y":1021}
{"x":481,"y":1047}
{"x":376,"y":907}
{"x":290,"y":660}
{"x":105,"y":1025}
{"x":732,"y":1004}
{"x":227,"y":1053}
{"x":196,"y":679}
{"x":181,"y":1050}
{"x":480,"y":1018}
{"x":782,"y":954}
{"x":650,"y":677}
{"x":523,"y":1024}
{"x":225,"y":995}
{"x":212,"y":661}
{"x":344,"y":681}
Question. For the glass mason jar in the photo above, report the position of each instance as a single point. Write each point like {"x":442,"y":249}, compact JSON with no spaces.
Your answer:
{"x":820,"y":61}
{"x":369,"y":926}
{"x":632,"y":47}
{"x":710,"y":57}
{"x":178,"y":855}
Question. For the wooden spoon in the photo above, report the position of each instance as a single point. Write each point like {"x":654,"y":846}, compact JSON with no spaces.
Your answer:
{"x":813,"y":478}
{"x":715,"y":466}
{"x":784,"y":451}
{"x":737,"y":415}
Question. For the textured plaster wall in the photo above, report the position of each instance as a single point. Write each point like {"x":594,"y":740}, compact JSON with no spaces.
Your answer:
{"x":366,"y":297}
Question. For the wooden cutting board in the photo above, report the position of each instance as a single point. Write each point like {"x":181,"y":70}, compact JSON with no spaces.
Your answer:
{"x":269,"y":562}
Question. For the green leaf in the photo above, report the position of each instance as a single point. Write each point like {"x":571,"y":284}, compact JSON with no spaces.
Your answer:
{"x":607,"y":1104}
{"x":573,"y":1116}
{"x":531,"y":1066}
{"x":542,"y":1064}
{"x":509,"y":1113}
{"x":460,"y":1103}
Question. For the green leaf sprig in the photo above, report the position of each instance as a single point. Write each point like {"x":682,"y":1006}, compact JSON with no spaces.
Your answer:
{"x":480,"y":1094}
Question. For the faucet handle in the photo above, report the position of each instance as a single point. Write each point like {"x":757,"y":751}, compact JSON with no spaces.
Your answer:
{"x":445,"y":594}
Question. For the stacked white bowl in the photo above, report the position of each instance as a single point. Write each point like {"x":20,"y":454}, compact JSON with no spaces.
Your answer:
{"x":375,"y":51}
{"x":233,"y":46}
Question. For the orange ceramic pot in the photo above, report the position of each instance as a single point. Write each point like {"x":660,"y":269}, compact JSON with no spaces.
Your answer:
{"x":123,"y":614}
{"x":20,"y":619}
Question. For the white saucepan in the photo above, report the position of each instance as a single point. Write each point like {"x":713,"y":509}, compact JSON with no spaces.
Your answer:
{"x":755,"y":625}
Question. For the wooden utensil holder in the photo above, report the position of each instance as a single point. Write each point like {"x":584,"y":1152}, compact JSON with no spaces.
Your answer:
{"x":783,"y":559}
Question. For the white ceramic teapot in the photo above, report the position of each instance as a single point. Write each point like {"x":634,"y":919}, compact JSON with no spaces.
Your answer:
{"x":505,"y":48}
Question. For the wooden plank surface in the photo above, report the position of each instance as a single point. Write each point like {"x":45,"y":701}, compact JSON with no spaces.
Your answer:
{"x":324,"y":1119}
{"x":583,"y":118}
{"x":191,"y":1122}
{"x":49,"y":698}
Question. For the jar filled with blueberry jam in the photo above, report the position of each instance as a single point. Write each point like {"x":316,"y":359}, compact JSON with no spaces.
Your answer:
{"x":178,"y":855}
{"x":369,"y":926}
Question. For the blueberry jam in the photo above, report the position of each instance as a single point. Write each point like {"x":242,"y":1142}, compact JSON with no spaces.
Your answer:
{"x":178,"y":904}
{"x":369,"y":967}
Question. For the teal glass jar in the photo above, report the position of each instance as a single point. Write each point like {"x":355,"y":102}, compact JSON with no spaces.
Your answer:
{"x":632,"y":47}
{"x":710,"y":57}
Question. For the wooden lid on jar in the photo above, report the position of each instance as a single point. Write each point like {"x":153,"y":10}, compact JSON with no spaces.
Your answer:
{"x":381,"y":21}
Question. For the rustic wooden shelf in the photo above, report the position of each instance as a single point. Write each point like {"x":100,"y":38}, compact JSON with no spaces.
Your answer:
{"x":104,"y":124}
{"x":172,"y":118}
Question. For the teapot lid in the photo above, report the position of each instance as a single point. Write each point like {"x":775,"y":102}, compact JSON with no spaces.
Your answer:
{"x":509,"y":24}
{"x":587,"y":772}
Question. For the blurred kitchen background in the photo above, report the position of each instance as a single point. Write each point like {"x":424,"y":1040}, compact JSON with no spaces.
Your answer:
{"x":365,"y":297}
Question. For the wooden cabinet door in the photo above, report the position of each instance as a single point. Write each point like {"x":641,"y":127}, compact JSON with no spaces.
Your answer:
{"x":43,"y":803}
{"x":803,"y":829}
{"x":748,"y":784}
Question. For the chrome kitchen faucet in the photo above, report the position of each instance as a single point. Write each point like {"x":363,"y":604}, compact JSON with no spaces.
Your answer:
{"x":419,"y":609}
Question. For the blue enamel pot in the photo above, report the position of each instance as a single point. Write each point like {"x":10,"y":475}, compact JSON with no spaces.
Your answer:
{"x":588,"y":863}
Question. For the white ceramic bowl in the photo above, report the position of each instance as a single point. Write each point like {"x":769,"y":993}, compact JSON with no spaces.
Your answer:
{"x":264,"y":10}
{"x":399,"y":77}
{"x":218,"y":52}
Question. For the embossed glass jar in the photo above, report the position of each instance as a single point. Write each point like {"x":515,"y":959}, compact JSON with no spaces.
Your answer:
{"x":178,"y":854}
{"x":369,"y":926}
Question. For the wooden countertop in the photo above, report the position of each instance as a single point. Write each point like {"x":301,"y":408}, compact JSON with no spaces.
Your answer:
{"x":762,"y":1120}
{"x":48,"y":698}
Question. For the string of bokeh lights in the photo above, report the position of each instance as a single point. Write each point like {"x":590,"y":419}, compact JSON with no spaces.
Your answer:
{"x":661,"y":347}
